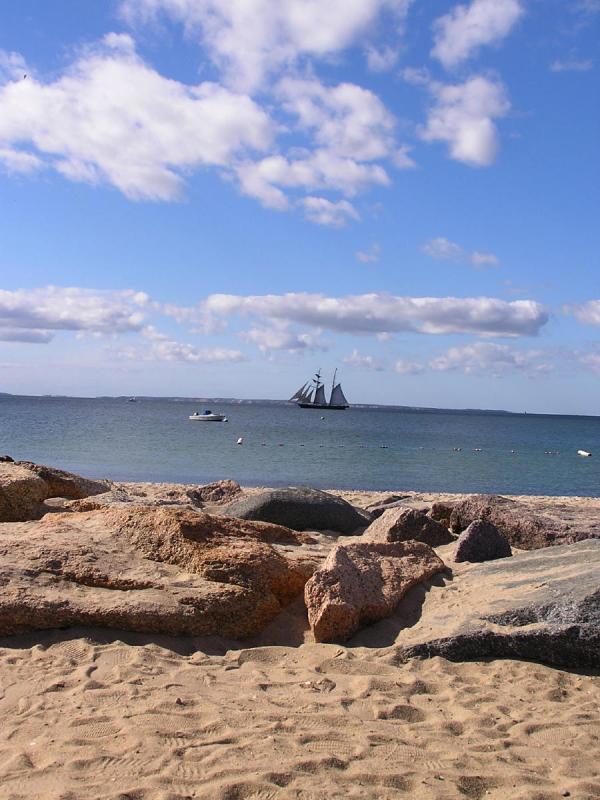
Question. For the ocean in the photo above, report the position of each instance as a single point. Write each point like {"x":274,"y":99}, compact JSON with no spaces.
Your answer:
{"x":374,"y":448}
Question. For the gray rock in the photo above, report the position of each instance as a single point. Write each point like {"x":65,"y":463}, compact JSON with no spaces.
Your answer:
{"x":403,"y":524}
{"x":542,"y":605}
{"x":523,"y":528}
{"x":301,"y":509}
{"x":482,"y":541}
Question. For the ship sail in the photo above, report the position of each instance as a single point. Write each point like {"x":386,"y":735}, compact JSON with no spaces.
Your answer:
{"x":320,"y":396}
{"x":299,"y":395}
{"x":337,"y":396}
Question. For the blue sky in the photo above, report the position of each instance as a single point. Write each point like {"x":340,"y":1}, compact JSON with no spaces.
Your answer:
{"x":216,"y":197}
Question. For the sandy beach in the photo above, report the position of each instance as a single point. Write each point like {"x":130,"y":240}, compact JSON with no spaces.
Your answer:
{"x":96,"y":713}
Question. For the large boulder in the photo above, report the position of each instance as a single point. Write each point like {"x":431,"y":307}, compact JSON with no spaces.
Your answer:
{"x":523,"y":528}
{"x":542,"y":605}
{"x":403,"y":524}
{"x":65,"y":484}
{"x":481,"y":541}
{"x":145,"y":569}
{"x":300,"y":508}
{"x":22,"y":493}
{"x":361,"y":583}
{"x":441,"y":511}
{"x":223,"y":491}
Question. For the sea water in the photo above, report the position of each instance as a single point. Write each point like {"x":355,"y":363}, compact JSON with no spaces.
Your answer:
{"x":369,"y":448}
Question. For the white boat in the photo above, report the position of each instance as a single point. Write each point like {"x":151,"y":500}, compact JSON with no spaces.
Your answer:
{"x":584,"y":453}
{"x":208,"y":416}
{"x":312,"y":395}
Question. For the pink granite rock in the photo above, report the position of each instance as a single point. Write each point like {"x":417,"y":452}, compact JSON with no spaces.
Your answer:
{"x":361,"y":583}
{"x":402,"y":524}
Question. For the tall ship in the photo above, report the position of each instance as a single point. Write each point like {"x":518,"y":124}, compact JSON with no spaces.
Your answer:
{"x":312,"y":395}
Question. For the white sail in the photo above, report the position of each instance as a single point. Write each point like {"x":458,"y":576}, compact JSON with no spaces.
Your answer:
{"x":320,"y":396}
{"x":337,"y":396}
{"x":298,"y":396}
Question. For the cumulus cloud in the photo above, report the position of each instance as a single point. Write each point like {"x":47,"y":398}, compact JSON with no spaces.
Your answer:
{"x":384,"y":313}
{"x":490,"y":358}
{"x":381,"y":59}
{"x":463,"y":115}
{"x":280,"y":337}
{"x":356,"y":359}
{"x":442,"y":249}
{"x":586,"y":313}
{"x":169,"y":350}
{"x":404,"y":367}
{"x":460,"y":33}
{"x":111,"y":118}
{"x":251,"y":39}
{"x":33,"y":314}
{"x":327,"y":212}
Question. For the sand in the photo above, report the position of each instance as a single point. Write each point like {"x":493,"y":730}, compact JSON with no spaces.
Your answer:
{"x":101,"y":714}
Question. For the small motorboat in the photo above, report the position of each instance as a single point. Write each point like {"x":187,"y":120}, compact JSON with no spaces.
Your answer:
{"x":584,"y":453}
{"x":208,"y":416}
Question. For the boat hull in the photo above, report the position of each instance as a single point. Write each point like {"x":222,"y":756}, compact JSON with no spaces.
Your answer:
{"x":207,"y":418}
{"x":319,"y":407}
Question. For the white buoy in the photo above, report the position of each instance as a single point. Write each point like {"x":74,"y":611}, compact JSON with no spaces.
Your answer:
{"x":584,"y":453}
{"x":240,"y":440}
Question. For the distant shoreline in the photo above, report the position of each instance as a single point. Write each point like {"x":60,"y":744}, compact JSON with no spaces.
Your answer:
{"x":266,"y":401}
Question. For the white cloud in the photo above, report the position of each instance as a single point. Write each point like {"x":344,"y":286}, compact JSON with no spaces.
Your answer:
{"x":490,"y":358}
{"x":590,"y":361}
{"x":19,"y":160}
{"x":279,"y":337}
{"x":346,"y":119}
{"x":251,"y":39}
{"x":371,"y":255}
{"x":114,"y":119}
{"x":327,"y":212}
{"x":480,"y":259}
{"x":176,"y":351}
{"x":25,"y":336}
{"x":587,"y":313}
{"x":403,"y":367}
{"x":383,"y":313}
{"x":462,"y":116}
{"x":460,"y":33}
{"x":442,"y":249}
{"x":356,"y":359}
{"x":381,"y":59}
{"x":322,"y":169}
{"x":572,"y":65}
{"x":37,"y":312}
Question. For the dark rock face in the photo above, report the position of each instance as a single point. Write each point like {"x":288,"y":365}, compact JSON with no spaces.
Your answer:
{"x":522,"y":528}
{"x":442,"y":512}
{"x":542,"y":605}
{"x":403,"y":524}
{"x":482,"y":541}
{"x":300,"y":508}
{"x":7,"y":459}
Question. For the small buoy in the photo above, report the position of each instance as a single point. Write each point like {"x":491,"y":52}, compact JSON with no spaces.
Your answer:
{"x":322,"y":417}
{"x":584,"y":453}
{"x":383,"y":446}
{"x":240,"y":440}
{"x":225,"y":420}
{"x":457,"y":449}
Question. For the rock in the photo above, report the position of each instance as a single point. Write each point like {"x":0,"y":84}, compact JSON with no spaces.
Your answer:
{"x":403,"y":524}
{"x":300,"y":508}
{"x":377,"y":510}
{"x":442,"y":512}
{"x":217,"y":492}
{"x":361,"y":583}
{"x":542,"y":605}
{"x":481,"y":541}
{"x":147,"y":569}
{"x":8,"y":459}
{"x":523,"y":528}
{"x":65,"y":484}
{"x":21,"y":493}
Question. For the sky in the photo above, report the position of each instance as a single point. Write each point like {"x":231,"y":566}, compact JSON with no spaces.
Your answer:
{"x":215,"y":198}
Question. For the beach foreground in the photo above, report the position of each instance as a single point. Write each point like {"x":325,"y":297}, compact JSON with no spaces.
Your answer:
{"x":92,"y":712}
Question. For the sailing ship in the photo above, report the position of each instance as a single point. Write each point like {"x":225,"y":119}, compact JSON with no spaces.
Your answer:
{"x":312,"y":395}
